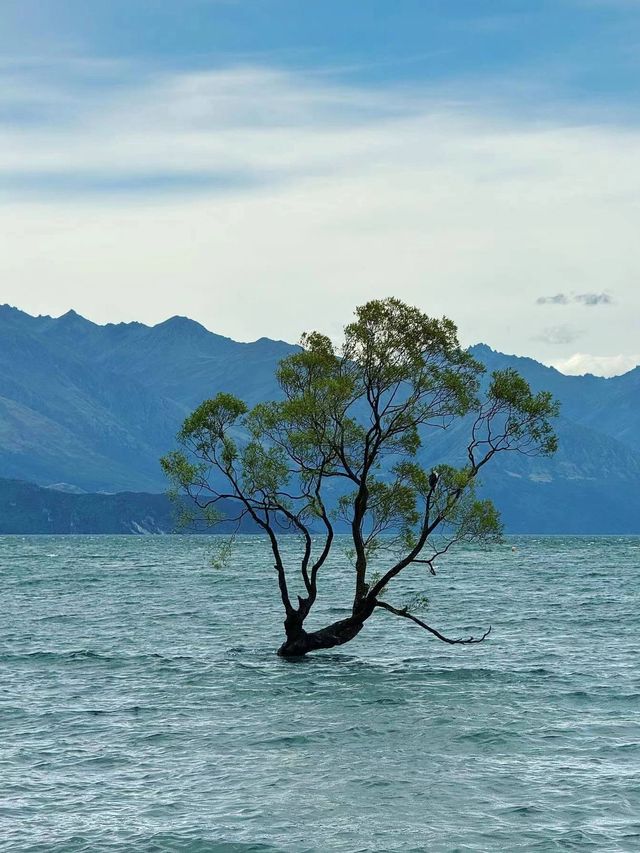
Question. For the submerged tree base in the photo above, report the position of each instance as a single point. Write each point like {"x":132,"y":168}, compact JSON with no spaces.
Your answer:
{"x":300,"y":643}
{"x":293,"y":649}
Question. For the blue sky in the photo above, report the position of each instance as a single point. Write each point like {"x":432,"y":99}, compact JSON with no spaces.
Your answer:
{"x":264,"y":165}
{"x":586,"y":46}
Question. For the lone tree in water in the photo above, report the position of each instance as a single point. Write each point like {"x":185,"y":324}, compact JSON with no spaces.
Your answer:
{"x":358,"y":415}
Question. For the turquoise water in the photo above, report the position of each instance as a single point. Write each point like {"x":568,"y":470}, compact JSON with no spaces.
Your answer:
{"x":142,"y":707}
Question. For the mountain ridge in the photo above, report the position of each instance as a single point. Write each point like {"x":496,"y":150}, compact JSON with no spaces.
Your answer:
{"x":28,"y":509}
{"x":95,"y":406}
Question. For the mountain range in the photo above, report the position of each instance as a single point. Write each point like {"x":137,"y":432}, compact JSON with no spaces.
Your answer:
{"x":94,"y":407}
{"x":27,"y":508}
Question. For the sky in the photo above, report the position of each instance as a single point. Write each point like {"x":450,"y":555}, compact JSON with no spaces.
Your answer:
{"x":264,"y":166}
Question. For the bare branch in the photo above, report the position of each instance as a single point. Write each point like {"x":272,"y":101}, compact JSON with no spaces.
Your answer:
{"x":459,"y":641}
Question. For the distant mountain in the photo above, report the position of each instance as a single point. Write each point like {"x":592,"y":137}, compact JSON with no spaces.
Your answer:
{"x":92,"y":408}
{"x":26,"y":508}
{"x":610,"y":406}
{"x":592,"y":484}
{"x":96,"y":406}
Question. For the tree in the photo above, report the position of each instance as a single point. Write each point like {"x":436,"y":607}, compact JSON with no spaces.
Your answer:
{"x":356,"y":417}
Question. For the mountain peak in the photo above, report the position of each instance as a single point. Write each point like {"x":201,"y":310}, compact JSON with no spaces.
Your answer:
{"x":180,"y":322}
{"x":73,"y":317}
{"x":185,"y":329}
{"x":10,"y":312}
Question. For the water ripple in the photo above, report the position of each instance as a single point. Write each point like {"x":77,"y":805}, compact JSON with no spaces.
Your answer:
{"x":143,"y":709}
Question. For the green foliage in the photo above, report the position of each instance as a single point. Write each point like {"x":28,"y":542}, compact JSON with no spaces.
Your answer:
{"x":374,"y":579}
{"x":527,"y":417}
{"x":417,"y":603}
{"x":391,"y":506}
{"x":222,"y":553}
{"x":213,"y":417}
{"x":264,"y":469}
{"x":181,"y":471}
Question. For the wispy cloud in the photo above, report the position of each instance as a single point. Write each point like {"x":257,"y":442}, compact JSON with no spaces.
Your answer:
{"x":558,"y":299}
{"x":265,"y":202}
{"x":589,"y":299}
{"x":255,"y":120}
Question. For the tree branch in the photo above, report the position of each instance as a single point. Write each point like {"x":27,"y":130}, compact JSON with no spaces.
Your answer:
{"x":459,"y":641}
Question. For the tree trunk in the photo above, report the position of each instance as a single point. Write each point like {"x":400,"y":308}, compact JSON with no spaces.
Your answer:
{"x":300,"y":642}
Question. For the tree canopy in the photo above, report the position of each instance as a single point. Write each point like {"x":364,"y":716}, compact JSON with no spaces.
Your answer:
{"x":360,"y":415}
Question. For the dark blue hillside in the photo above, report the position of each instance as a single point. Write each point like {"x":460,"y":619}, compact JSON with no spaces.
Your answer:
{"x":610,"y":406}
{"x":96,"y":406}
{"x":29,"y":509}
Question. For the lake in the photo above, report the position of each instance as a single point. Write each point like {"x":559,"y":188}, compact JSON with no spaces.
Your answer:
{"x":142,"y":706}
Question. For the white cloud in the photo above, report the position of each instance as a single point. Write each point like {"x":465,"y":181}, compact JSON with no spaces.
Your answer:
{"x":334,"y":195}
{"x":600,"y":365}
